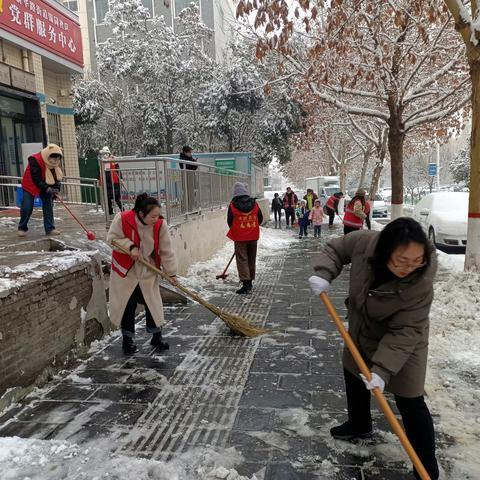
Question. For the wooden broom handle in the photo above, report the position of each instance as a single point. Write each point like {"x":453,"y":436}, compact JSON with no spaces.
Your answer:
{"x":394,"y":423}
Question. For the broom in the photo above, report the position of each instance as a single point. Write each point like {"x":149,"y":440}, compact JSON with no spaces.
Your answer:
{"x":382,"y":402}
{"x":236,"y":323}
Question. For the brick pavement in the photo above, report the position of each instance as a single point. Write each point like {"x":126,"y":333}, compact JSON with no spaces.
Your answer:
{"x":273,"y":399}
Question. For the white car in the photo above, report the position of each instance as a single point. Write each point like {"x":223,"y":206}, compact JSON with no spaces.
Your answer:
{"x":380,"y":209}
{"x":444,"y":217}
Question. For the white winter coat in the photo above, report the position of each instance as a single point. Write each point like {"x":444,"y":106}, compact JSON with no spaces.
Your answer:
{"x":121,"y":289}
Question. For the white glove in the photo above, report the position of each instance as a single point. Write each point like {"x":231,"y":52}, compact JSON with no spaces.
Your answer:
{"x":318,"y":285}
{"x":375,"y":382}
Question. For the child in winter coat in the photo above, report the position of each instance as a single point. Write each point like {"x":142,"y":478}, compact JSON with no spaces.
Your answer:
{"x":302,"y":213}
{"x":316,"y":217}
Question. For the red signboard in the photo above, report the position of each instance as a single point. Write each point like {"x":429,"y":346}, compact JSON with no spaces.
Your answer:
{"x":41,"y":24}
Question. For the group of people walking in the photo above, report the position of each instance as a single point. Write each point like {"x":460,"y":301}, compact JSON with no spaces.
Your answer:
{"x":309,"y":211}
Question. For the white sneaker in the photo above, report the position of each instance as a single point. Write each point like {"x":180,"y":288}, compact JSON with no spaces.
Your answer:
{"x":21,"y":233}
{"x":53,"y":232}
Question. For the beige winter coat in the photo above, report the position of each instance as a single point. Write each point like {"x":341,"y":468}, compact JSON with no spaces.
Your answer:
{"x":390,"y":324}
{"x":121,"y":289}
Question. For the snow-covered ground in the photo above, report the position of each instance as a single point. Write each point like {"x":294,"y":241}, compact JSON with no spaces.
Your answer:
{"x":453,"y":381}
{"x":32,"y":459}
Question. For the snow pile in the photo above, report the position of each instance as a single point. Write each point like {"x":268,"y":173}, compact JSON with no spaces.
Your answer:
{"x":16,"y":276}
{"x":54,"y":460}
{"x":454,"y":263}
{"x":202,"y":275}
{"x":453,"y":381}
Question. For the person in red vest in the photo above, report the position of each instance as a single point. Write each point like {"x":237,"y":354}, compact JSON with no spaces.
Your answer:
{"x":332,"y":207}
{"x":145,"y":234}
{"x":244,"y":219}
{"x":357,"y":212}
{"x":112,"y":176}
{"x":42,"y":179}
{"x":290,"y":200}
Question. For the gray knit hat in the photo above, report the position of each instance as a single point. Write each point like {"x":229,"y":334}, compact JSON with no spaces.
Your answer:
{"x":240,"y":189}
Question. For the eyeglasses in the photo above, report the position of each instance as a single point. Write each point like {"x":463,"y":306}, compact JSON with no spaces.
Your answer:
{"x":409,"y":266}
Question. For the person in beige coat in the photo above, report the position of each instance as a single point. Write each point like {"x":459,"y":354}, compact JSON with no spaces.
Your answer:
{"x":145,"y":234}
{"x":390,"y":295}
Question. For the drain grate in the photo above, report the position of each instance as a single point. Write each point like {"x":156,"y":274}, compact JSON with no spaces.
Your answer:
{"x":198,"y":407}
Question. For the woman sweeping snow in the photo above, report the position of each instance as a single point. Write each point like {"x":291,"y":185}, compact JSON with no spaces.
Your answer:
{"x":391,"y":292}
{"x":144,"y":233}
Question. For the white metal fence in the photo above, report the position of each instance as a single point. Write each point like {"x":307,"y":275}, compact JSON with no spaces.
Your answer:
{"x":181,"y":192}
{"x":75,"y":190}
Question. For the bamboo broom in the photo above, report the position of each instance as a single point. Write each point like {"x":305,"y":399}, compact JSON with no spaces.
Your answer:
{"x":236,"y":323}
{"x":392,"y":419}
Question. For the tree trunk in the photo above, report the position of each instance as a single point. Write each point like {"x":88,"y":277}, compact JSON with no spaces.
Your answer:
{"x":472,"y":258}
{"x":396,"y":138}
{"x":366,"y":158}
{"x":169,"y":136}
{"x":342,"y":175}
{"x":377,"y":173}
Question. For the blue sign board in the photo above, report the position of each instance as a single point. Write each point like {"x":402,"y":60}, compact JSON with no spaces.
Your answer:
{"x":432,"y":169}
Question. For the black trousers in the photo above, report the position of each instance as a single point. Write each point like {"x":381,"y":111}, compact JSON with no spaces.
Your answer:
{"x":128,"y":319}
{"x":278,"y":214}
{"x":347,"y":229}
{"x":114,"y":194}
{"x":415,"y":415}
{"x":289,"y":215}
{"x":331,"y":216}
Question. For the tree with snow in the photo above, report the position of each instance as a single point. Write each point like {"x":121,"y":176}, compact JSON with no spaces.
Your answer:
{"x":396,"y":62}
{"x":460,"y":166}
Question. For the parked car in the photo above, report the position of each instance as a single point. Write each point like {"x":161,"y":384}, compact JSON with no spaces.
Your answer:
{"x":379,"y":209}
{"x":444,"y":217}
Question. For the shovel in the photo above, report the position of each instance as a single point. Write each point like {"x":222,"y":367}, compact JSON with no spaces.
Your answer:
{"x":396,"y":427}
{"x":224,"y":275}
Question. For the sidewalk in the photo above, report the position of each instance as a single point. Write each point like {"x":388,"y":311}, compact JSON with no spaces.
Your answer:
{"x":274,"y":398}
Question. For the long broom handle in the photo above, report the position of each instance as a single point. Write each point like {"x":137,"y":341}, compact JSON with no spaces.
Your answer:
{"x":158,"y":272}
{"x":396,"y":427}
{"x":71,"y":213}
{"x":228,"y":264}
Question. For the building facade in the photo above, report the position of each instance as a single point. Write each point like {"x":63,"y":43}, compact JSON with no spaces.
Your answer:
{"x":219,"y":15}
{"x":40,"y":47}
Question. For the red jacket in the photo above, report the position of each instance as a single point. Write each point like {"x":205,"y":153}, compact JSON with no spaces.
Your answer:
{"x":245,"y":226}
{"x":122,"y":262}
{"x":352,"y":220}
{"x":27,"y":180}
{"x":290,"y":202}
{"x":331,"y":202}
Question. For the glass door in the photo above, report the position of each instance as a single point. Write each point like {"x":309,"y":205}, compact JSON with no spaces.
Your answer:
{"x":9,"y":164}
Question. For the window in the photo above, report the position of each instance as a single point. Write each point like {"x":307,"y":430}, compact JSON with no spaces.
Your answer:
{"x":101,"y":9}
{"x":54,"y":129}
{"x":181,"y":4}
{"x":71,"y":5}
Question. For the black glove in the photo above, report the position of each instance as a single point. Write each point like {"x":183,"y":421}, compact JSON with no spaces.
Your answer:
{"x":52,"y":191}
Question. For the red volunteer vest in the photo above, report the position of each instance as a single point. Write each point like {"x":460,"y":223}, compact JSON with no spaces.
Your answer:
{"x":351,"y":220}
{"x":245,"y":227}
{"x":114,"y":172}
{"x":122,"y":262}
{"x":27,"y":180}
{"x":331,"y":202}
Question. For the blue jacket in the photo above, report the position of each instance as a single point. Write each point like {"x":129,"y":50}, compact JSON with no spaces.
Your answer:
{"x":302,"y":216}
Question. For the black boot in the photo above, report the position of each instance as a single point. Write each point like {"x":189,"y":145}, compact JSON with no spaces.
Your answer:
{"x":246,"y":287}
{"x":158,"y":342}
{"x":347,"y":432}
{"x":128,"y":345}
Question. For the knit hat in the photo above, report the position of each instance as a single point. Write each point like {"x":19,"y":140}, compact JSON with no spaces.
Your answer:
{"x":240,"y":190}
{"x":361,"y":192}
{"x":105,"y":151}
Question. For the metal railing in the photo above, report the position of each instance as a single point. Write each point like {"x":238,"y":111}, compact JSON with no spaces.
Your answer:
{"x":75,"y":190}
{"x":181,"y":192}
